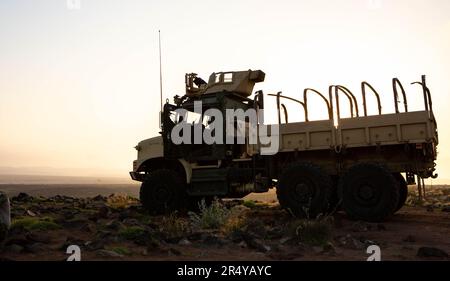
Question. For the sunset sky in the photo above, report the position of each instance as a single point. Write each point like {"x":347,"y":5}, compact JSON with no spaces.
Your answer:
{"x":80,"y":87}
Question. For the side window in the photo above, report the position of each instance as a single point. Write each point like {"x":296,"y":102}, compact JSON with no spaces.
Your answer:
{"x":218,"y":77}
{"x":228,"y":77}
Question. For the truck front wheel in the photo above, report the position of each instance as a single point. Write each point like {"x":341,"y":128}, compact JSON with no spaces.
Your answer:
{"x":304,"y":190}
{"x":369,"y":192}
{"x":163,"y":191}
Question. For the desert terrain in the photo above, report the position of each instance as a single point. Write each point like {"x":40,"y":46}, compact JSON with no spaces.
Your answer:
{"x":107,"y":222}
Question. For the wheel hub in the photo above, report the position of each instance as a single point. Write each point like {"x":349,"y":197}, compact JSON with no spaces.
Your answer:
{"x":366,"y":192}
{"x":162,"y":194}
{"x":303,"y":191}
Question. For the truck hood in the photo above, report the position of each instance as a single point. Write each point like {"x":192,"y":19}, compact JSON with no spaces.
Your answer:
{"x":150,"y":148}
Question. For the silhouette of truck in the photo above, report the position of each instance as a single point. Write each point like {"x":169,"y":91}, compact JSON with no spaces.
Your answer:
{"x":353,"y":163}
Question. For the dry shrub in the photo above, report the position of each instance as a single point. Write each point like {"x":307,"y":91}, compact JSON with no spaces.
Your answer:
{"x":317,"y":232}
{"x":209,"y":217}
{"x":174,"y":226}
{"x":120,"y":200}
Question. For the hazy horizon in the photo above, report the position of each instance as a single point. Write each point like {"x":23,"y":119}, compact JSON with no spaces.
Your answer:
{"x":79,"y":88}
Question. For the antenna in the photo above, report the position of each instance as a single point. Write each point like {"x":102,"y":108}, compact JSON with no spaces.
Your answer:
{"x":160,"y":71}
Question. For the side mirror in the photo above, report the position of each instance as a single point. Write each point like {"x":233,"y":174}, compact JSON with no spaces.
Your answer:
{"x":259,"y":99}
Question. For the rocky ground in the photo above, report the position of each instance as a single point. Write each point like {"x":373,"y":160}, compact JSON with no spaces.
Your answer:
{"x":117,"y":228}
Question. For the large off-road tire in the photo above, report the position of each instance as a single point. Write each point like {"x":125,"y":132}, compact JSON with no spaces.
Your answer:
{"x":163,"y":191}
{"x":402,"y":189}
{"x":304,"y":190}
{"x":369,"y":192}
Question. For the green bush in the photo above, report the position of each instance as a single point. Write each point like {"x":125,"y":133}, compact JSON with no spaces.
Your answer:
{"x":121,"y":251}
{"x":249,"y":204}
{"x":30,"y":224}
{"x":132,"y":232}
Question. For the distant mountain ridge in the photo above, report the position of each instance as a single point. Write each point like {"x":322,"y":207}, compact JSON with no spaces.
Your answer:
{"x":66,"y":172}
{"x":46,"y":179}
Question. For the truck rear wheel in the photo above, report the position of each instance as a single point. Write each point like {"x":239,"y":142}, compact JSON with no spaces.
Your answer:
{"x":304,"y":190}
{"x":402,"y":189}
{"x":163,"y":191}
{"x":369,"y":192}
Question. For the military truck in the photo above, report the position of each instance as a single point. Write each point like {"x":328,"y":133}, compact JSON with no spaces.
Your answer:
{"x":353,"y":163}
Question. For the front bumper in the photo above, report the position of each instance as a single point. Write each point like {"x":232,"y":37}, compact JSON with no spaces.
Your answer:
{"x":137,"y":176}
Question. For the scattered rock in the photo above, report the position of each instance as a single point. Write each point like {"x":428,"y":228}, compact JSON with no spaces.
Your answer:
{"x":173,"y":239}
{"x":368,"y":243}
{"x":75,"y":223}
{"x":430,"y":252}
{"x":108,"y":254}
{"x":232,"y":203}
{"x":18,"y":239}
{"x":212,"y":239}
{"x":103,"y":212}
{"x":184,"y":242}
{"x":14,"y":248}
{"x":36,"y":248}
{"x":289,"y":241}
{"x":113,"y":225}
{"x":99,"y":198}
{"x":71,"y":241}
{"x":350,"y":243}
{"x":284,"y":240}
{"x":39,"y":237}
{"x":242,"y":244}
{"x":89,"y":227}
{"x":254,"y":243}
{"x":329,"y":249}
{"x":195,"y":236}
{"x":173,"y":251}
{"x":284,"y":256}
{"x":239,"y":209}
{"x":68,"y":214}
{"x":257,"y":228}
{"x":381,"y":227}
{"x":31,"y":213}
{"x":131,"y":222}
{"x":22,"y":197}
{"x":446,"y":209}
{"x":102,"y":234}
{"x":94,"y":245}
{"x":125,"y":214}
{"x":360,"y":226}
{"x":275,"y":232}
{"x":317,"y":249}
